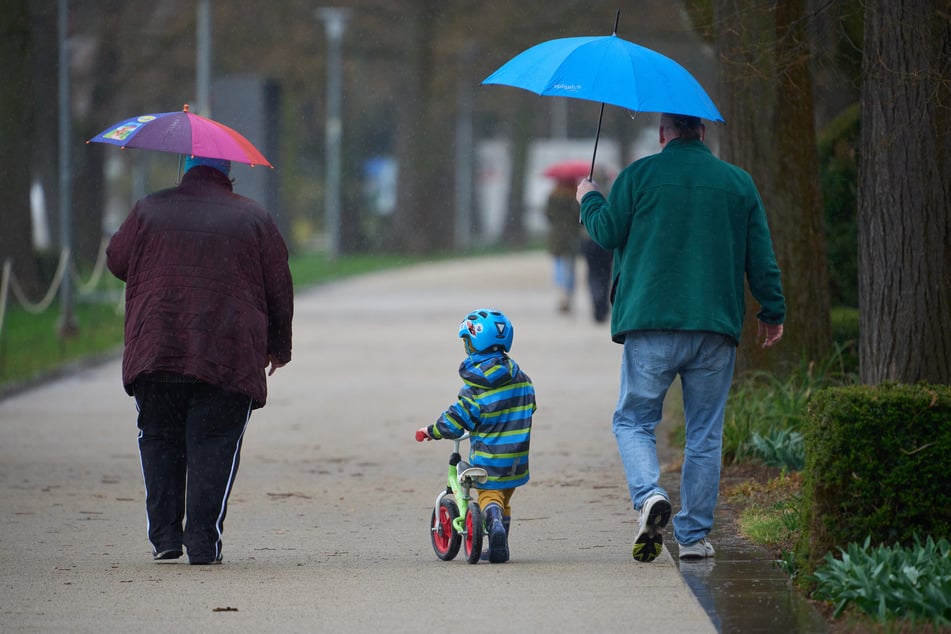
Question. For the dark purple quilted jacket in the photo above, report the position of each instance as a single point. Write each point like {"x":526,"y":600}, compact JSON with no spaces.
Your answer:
{"x":208,"y":289}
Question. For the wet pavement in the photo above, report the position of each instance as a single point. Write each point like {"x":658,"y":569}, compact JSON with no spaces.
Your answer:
{"x":743,"y":590}
{"x":327,"y":525}
{"x":741,"y":593}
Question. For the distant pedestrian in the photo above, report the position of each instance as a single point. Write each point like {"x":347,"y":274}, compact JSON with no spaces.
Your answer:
{"x":209,"y":303}
{"x":567,"y":239}
{"x":495,"y":406}
{"x":688,"y":230}
{"x":564,"y":239}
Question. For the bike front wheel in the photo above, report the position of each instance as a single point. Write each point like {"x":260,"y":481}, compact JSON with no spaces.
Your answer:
{"x":474,"y":533}
{"x":446,"y":540}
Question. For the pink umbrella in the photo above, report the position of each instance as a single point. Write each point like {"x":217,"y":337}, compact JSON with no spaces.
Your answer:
{"x":182,"y":133}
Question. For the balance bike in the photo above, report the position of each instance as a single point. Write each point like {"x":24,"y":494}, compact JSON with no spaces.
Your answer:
{"x":457,"y":518}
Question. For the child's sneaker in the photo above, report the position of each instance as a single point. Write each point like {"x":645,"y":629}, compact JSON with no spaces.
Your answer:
{"x":649,"y":541}
{"x":697,"y":550}
{"x":498,"y":538}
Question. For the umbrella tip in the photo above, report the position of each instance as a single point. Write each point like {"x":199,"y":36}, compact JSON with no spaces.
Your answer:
{"x":185,"y":109}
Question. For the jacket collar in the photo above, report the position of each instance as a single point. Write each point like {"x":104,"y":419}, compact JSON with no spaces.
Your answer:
{"x":204,"y":175}
{"x":688,"y":144}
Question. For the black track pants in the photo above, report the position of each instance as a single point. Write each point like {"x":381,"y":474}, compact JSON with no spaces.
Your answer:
{"x":190,"y":444}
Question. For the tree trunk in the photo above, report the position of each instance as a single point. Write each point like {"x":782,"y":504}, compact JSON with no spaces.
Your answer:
{"x":16,"y":101}
{"x":45,"y":131}
{"x":766,"y":98}
{"x":88,"y":161}
{"x":422,"y":222}
{"x":796,"y":195}
{"x":904,"y":189}
{"x":513,"y":233}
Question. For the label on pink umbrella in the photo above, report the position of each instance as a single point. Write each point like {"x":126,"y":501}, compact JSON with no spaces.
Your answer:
{"x":125,"y":130}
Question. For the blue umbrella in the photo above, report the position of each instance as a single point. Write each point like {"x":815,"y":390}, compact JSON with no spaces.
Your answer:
{"x":607,"y":69}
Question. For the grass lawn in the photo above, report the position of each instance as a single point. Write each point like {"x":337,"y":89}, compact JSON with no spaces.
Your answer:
{"x":32,"y":347}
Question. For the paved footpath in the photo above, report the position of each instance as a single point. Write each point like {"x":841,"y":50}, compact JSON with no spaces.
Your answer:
{"x":328,"y":523}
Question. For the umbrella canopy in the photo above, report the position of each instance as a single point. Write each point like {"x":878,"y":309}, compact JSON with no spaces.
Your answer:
{"x":567,"y":170}
{"x":182,"y":133}
{"x":607,"y":69}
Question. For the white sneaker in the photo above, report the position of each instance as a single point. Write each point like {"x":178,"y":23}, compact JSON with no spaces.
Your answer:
{"x":649,"y":541}
{"x":697,"y":550}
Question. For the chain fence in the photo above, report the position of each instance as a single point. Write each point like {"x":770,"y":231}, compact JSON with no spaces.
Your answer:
{"x":10,"y":286}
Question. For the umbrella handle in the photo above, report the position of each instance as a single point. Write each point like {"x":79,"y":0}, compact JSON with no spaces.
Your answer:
{"x":617,"y":18}
{"x":596,"y":137}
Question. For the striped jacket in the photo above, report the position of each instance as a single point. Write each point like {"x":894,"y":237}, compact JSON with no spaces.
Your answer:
{"x":495,"y":406}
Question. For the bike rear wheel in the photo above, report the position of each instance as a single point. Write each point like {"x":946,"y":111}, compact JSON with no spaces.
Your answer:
{"x":446,"y":540}
{"x":474,"y":533}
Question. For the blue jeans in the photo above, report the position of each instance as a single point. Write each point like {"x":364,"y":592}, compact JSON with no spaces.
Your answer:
{"x":564,"y":273}
{"x":651,"y":361}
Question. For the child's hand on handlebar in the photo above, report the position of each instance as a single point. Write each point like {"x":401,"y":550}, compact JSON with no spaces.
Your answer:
{"x":423,"y":434}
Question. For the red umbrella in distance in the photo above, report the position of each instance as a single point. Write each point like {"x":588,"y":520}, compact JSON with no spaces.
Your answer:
{"x":573,"y":170}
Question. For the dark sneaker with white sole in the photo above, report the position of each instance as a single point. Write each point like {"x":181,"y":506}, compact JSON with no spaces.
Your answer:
{"x":167,"y":554}
{"x":649,"y":541}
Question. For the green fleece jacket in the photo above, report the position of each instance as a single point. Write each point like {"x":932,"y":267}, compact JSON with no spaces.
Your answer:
{"x":687,"y":230}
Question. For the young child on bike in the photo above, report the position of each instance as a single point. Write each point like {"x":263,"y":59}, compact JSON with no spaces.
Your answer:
{"x":495,"y":405}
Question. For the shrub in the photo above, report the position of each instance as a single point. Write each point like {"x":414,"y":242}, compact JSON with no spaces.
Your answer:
{"x":877,"y":463}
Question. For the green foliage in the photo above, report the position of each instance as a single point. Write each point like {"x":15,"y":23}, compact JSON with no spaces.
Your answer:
{"x":845,"y":334}
{"x":877,"y":463}
{"x":781,"y":448}
{"x":771,"y":525}
{"x":700,"y":13}
{"x":770,"y":515}
{"x":788,"y":563}
{"x":766,"y":405}
{"x":838,"y":178}
{"x":890,"y":581}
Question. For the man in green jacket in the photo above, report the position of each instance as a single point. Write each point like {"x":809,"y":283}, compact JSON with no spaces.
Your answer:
{"x":687,"y":230}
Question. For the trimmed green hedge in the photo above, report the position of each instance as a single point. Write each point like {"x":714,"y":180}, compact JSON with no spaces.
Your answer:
{"x":878,"y":464}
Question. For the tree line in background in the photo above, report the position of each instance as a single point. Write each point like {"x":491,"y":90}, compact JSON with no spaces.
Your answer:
{"x":839,"y":109}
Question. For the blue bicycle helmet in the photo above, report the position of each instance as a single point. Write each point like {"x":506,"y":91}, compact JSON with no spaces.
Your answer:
{"x":485,"y":329}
